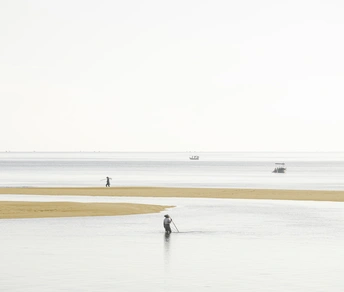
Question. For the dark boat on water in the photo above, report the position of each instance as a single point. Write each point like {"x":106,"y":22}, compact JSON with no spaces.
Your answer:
{"x":279,"y":168}
{"x":195,"y":157}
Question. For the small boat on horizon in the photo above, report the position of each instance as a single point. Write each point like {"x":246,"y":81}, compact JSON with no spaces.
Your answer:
{"x":194,"y":157}
{"x":280,"y":167}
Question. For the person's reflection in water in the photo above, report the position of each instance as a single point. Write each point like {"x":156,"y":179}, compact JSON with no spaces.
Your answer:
{"x":167,"y":242}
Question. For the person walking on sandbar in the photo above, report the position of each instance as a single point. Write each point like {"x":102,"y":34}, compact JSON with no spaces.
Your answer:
{"x":167,"y":222}
{"x":108,"y":181}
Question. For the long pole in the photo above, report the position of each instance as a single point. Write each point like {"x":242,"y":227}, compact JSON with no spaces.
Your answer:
{"x":175,"y":226}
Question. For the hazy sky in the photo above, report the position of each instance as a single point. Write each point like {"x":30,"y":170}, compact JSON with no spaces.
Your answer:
{"x":196,"y":75}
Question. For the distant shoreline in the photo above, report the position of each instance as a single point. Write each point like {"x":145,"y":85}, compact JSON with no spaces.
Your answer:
{"x":68,"y":209}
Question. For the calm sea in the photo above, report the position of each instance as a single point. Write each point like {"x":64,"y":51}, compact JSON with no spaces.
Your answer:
{"x":320,"y":171}
{"x":222,"y":244}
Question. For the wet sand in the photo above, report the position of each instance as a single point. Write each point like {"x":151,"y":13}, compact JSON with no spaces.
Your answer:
{"x":10,"y":210}
{"x":30,"y":210}
{"x":306,"y":195}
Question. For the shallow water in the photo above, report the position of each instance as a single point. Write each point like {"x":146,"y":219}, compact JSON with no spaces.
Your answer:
{"x":223,"y":245}
{"x":315,"y":171}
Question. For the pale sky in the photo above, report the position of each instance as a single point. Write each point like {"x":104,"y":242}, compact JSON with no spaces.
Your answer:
{"x":191,"y":75}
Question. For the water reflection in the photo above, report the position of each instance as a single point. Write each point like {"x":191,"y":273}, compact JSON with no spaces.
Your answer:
{"x":167,"y":239}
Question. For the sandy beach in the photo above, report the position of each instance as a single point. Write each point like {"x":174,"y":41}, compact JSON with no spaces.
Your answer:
{"x":64,"y":209}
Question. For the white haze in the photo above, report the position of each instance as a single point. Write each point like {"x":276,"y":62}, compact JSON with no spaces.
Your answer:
{"x":171,"y":75}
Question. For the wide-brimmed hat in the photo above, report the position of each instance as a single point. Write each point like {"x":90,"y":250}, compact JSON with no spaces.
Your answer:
{"x":167,"y":216}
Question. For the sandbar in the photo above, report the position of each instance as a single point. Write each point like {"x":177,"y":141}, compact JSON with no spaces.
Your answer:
{"x":63,"y":209}
{"x":267,"y":194}
{"x":11,"y":210}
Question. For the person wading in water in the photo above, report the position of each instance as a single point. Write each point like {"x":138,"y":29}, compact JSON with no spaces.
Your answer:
{"x":108,"y":181}
{"x":167,"y":222}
